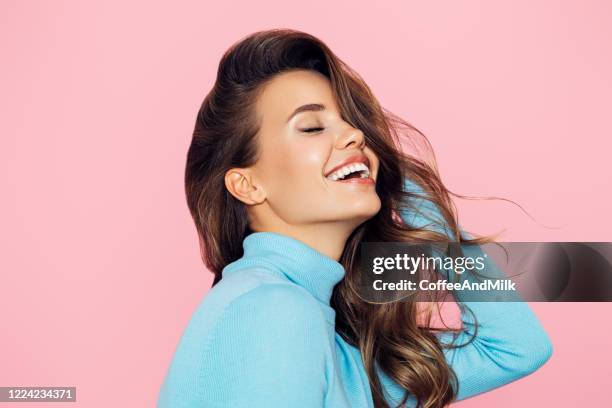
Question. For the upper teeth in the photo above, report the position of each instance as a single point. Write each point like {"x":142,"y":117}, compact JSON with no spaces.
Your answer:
{"x":348,"y":169}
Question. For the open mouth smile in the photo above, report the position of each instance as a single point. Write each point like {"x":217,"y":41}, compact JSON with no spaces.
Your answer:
{"x":354,"y":170}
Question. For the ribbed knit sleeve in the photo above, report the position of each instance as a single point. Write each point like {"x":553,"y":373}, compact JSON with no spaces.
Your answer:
{"x":510,"y":342}
{"x":267,"y":348}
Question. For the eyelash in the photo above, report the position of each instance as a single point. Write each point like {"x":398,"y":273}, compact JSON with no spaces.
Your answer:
{"x":312,"y":129}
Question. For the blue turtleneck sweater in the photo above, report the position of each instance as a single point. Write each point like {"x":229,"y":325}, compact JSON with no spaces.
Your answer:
{"x":264,"y":336}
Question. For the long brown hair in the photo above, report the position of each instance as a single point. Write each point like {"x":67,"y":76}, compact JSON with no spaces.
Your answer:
{"x":392,"y":337}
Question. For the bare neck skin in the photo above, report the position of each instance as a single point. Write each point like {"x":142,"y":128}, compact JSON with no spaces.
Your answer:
{"x":328,"y":238}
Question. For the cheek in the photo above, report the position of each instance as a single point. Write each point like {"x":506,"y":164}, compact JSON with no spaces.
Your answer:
{"x":303,"y":163}
{"x":296,"y":185}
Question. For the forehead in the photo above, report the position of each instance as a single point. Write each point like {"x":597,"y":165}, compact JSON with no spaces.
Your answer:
{"x":290,"y":90}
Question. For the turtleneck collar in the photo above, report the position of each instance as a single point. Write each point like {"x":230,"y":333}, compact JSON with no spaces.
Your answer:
{"x":293,"y":260}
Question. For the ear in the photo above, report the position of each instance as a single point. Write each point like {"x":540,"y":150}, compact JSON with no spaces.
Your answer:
{"x":242,"y":185}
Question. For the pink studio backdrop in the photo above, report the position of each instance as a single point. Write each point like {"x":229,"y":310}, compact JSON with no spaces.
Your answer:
{"x":99,"y":258}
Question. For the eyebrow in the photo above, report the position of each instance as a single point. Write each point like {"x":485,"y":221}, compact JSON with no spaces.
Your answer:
{"x":309,"y":107}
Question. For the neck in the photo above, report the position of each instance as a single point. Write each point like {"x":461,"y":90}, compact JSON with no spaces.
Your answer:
{"x":327,"y":238}
{"x":292,"y":260}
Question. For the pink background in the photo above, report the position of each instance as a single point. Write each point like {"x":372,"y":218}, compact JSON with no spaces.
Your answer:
{"x":100,"y":264}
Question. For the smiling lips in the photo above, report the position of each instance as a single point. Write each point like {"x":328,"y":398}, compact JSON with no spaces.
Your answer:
{"x":355,"y":169}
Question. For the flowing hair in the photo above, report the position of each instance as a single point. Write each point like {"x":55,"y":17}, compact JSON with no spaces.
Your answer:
{"x":397,"y":338}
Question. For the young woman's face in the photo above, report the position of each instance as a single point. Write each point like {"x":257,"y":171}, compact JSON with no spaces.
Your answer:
{"x":303,"y":138}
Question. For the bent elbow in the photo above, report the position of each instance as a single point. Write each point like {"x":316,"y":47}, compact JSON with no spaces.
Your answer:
{"x":545,"y":352}
{"x":536,"y":354}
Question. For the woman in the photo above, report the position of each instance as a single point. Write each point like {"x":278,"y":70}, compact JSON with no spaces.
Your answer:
{"x":292,"y":165}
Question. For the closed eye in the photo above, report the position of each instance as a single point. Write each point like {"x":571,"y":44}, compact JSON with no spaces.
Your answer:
{"x":312,"y":130}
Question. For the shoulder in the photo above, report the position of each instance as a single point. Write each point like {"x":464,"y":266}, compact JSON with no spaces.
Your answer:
{"x":248,"y":303}
{"x":265,"y":295}
{"x":257,"y":303}
{"x":251,"y":333}
{"x":282,"y":317}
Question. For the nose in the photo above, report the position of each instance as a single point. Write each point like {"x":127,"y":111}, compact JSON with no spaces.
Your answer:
{"x":351,"y":137}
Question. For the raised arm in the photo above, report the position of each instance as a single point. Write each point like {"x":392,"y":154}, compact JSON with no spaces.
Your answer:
{"x":510,"y":342}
